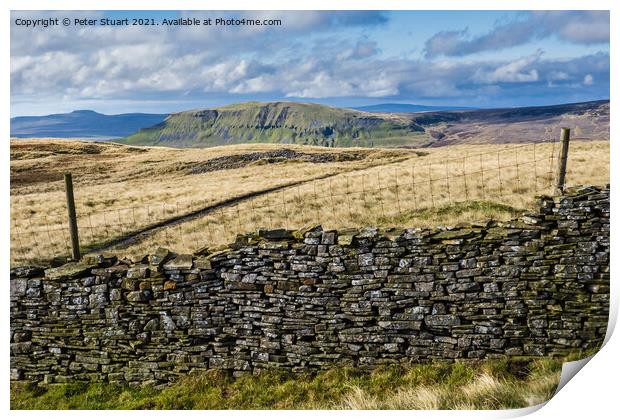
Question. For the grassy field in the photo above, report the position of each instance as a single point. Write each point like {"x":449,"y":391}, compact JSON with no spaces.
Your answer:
{"x":498,"y":384}
{"x":121,"y":189}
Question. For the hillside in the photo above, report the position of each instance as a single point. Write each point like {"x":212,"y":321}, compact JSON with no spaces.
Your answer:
{"x":314,"y":124}
{"x":277,"y":122}
{"x":82,"y":124}
{"x":587,"y":121}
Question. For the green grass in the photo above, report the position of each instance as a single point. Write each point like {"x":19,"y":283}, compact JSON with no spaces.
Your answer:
{"x":455,"y":213}
{"x":506,"y":383}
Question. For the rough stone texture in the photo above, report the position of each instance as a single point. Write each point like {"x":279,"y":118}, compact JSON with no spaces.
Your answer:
{"x":312,"y":299}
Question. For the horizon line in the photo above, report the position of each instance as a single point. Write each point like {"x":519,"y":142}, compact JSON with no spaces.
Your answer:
{"x":314,"y":103}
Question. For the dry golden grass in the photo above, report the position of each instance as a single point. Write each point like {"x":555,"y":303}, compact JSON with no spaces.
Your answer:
{"x":121,"y":189}
{"x":485,"y":391}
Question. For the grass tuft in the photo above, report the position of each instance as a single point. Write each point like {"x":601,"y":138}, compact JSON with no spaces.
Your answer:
{"x":458,"y":385}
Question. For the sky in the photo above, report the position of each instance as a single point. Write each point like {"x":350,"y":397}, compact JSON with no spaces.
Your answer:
{"x":480,"y":59}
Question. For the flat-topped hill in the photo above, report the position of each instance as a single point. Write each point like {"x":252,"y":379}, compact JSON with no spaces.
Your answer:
{"x":277,"y":122}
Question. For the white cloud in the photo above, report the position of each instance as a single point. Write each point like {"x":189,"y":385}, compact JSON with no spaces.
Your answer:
{"x":513,"y":72}
{"x":322,"y":85}
{"x":579,"y":27}
{"x":557,"y":75}
{"x":318,"y":63}
{"x":363,"y":49}
{"x":584,"y":27}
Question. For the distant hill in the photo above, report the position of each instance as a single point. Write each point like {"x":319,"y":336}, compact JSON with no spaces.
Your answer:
{"x":587,"y":121}
{"x":277,"y":122}
{"x":82,"y":124}
{"x":405,"y":108}
{"x":314,"y":124}
{"x":291,"y":122}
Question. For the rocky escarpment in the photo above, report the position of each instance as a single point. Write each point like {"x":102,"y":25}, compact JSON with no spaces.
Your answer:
{"x":312,"y":299}
{"x":275,"y":122}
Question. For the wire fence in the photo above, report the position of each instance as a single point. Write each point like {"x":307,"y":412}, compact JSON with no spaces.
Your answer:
{"x":406,"y":193}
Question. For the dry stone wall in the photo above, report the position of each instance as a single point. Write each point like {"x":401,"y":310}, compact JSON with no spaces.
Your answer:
{"x":312,"y":299}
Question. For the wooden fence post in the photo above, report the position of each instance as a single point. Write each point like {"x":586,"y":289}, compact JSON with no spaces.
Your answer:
{"x":73,"y":228}
{"x":561,"y":175}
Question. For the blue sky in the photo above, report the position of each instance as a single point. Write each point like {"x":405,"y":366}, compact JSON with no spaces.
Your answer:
{"x":465,"y":58}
